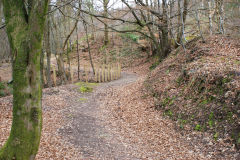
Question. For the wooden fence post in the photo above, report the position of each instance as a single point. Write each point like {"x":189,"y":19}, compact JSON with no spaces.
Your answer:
{"x":99,"y":74}
{"x":54,"y":76}
{"x":117,"y":69}
{"x":115,"y":73}
{"x":111,"y":73}
{"x":120,"y":70}
{"x":108,"y":72}
{"x":96,"y":73}
{"x":103,"y":73}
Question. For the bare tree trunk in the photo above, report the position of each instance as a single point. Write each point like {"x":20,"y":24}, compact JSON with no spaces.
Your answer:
{"x":220,"y":15}
{"x":61,"y":68}
{"x":182,"y":18}
{"x":78,"y":54}
{"x":48,"y":51}
{"x":59,"y":53}
{"x":164,"y":40}
{"x":179,"y":22}
{"x":157,"y":46}
{"x":89,"y":49}
{"x":170,"y":18}
{"x":91,"y":10}
{"x":198,"y":21}
{"x":68,"y":62}
{"x":42,"y":67}
{"x":105,"y":6}
{"x":210,"y":14}
{"x":147,"y":12}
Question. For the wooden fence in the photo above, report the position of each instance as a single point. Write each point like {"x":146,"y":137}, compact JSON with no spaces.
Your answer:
{"x":107,"y":73}
{"x":103,"y":73}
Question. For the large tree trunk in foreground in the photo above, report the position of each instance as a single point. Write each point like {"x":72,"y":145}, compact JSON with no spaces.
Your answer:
{"x":25,"y":31}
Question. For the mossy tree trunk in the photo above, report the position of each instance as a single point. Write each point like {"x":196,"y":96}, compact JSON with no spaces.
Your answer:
{"x":25,"y":23}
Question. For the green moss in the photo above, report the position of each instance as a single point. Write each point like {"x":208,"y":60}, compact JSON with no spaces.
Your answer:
{"x":84,"y":89}
{"x":2,"y":86}
{"x":211,"y":120}
{"x":198,"y":127}
{"x":2,"y":89}
{"x":238,"y":141}
{"x":179,"y":80}
{"x":204,"y":102}
{"x":226,"y":80}
{"x":237,"y":62}
{"x":182,"y":123}
{"x":167,"y":71}
{"x":168,"y":113}
{"x":168,"y":101}
{"x":154,"y":65}
{"x":215,"y":136}
{"x":82,"y":99}
{"x":188,"y":38}
{"x":2,"y":93}
{"x":230,"y":116}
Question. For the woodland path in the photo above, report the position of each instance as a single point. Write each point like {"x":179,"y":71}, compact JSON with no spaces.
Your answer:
{"x":85,"y":128}
{"x":112,"y":122}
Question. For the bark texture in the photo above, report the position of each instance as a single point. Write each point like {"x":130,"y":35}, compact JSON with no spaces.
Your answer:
{"x":25,"y":25}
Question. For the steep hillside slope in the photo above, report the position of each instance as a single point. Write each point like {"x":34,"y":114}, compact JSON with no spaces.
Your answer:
{"x":200,"y":88}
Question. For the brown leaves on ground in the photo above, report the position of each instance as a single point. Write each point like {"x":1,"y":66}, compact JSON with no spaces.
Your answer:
{"x":5,"y":118}
{"x":202,"y":87}
{"x":52,"y":145}
{"x":153,"y":136}
{"x":149,"y":134}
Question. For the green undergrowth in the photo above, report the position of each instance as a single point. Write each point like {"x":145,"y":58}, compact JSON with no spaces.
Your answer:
{"x":5,"y":89}
{"x":85,"y":87}
{"x":156,"y":62}
{"x":130,"y":36}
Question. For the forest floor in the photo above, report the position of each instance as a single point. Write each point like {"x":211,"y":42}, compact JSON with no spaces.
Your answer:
{"x":116,"y":120}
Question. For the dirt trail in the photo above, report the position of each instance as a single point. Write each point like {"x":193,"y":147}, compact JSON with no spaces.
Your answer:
{"x":112,"y":122}
{"x":85,"y":128}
